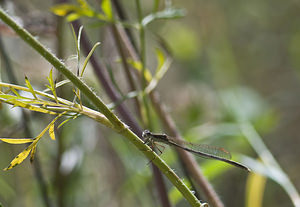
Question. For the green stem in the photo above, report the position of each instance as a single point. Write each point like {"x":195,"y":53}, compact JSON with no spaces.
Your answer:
{"x":119,"y":126}
{"x":51,"y":58}
{"x":143,"y":62}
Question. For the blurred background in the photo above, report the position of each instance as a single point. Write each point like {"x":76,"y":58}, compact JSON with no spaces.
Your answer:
{"x":234,"y":82}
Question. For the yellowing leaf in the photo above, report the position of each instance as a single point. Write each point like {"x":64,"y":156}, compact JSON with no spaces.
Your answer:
{"x":20,"y":157}
{"x":64,"y":9}
{"x":17,"y":141}
{"x":256,"y":184}
{"x":51,"y":132}
{"x":162,"y":67}
{"x":32,"y":153}
{"x":73,"y":16}
{"x":107,"y":9}
{"x":15,"y":92}
{"x":38,"y":137}
{"x":30,"y":107}
{"x":138,"y":66}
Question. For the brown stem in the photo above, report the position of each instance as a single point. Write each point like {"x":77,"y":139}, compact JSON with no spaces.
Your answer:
{"x":169,"y":125}
{"x":126,"y":67}
{"x":114,"y":96}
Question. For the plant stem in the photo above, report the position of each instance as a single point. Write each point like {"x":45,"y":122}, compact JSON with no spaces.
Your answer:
{"x":99,"y":70}
{"x":119,"y":126}
{"x":170,"y":127}
{"x":51,"y":58}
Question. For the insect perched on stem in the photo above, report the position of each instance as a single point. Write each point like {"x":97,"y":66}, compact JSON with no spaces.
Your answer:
{"x":202,"y":150}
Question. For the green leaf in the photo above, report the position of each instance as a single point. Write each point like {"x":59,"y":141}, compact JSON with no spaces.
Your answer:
{"x":88,"y":58}
{"x":107,"y":9}
{"x":30,"y":87}
{"x":17,"y":140}
{"x":52,"y":85}
{"x":20,"y":157}
{"x":65,"y":121}
{"x":168,"y":13}
{"x":160,"y":58}
{"x":59,"y":84}
{"x":51,"y":132}
{"x":78,"y":41}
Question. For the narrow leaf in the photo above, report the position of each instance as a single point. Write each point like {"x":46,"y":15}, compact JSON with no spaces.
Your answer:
{"x":64,"y":9}
{"x":30,"y":107}
{"x":62,"y":123}
{"x":52,"y":84}
{"x":169,"y":13}
{"x":32,"y":153}
{"x":65,"y":121}
{"x":15,"y":92}
{"x":17,"y":140}
{"x":78,"y":41}
{"x":30,"y":87}
{"x":73,"y":16}
{"x":47,"y":127}
{"x":162,"y":68}
{"x":8,"y":96}
{"x":107,"y":9}
{"x":20,"y":157}
{"x":59,"y":84}
{"x":51,"y":132}
{"x":138,"y":66}
{"x":88,"y":58}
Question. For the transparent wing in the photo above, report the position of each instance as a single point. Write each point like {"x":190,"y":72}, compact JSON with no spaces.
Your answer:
{"x":208,"y":149}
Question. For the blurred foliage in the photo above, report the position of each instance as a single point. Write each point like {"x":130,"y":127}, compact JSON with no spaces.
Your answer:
{"x":233,"y":61}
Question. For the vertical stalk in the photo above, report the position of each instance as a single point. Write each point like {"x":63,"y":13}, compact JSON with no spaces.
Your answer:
{"x":143,"y":63}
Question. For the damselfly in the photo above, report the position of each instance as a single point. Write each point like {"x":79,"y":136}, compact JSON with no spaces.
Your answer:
{"x":205,"y":151}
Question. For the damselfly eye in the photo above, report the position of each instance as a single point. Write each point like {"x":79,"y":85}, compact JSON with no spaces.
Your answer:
{"x":145,"y":133}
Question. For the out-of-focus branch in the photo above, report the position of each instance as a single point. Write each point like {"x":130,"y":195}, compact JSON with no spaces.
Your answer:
{"x":169,"y":125}
{"x":126,"y":67}
{"x":115,"y":97}
{"x":37,"y":168}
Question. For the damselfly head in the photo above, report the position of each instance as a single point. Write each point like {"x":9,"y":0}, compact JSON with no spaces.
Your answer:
{"x":146,"y":134}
